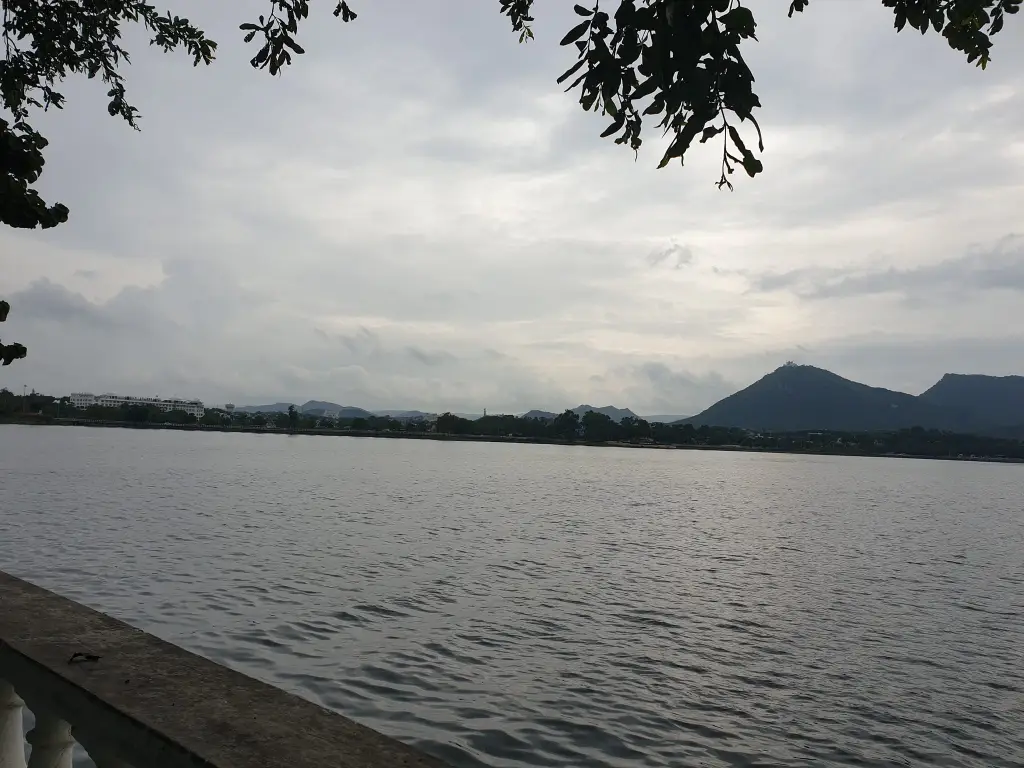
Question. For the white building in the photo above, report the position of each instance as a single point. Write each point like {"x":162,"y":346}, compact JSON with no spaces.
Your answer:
{"x":108,"y":400}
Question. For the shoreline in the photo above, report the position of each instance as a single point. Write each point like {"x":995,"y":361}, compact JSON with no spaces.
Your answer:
{"x":58,"y":422}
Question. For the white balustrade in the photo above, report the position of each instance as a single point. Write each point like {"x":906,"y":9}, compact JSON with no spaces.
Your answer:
{"x":51,"y":742}
{"x":129,"y":699}
{"x":12,"y":743}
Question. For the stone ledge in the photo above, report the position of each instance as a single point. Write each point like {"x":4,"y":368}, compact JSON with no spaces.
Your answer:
{"x":154,"y":705}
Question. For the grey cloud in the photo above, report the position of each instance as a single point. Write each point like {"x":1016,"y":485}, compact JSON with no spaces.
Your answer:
{"x":663,"y":376}
{"x":143,"y":349}
{"x":676,"y":390}
{"x":430,"y":358}
{"x":46,"y":302}
{"x":1000,"y":267}
{"x":493,"y":354}
{"x":362,"y":342}
{"x":366,"y":345}
{"x":767,"y":282}
{"x":659,"y":386}
{"x":677,"y":256}
{"x":414,"y":184}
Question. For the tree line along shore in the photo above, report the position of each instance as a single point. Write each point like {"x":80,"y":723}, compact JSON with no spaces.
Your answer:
{"x":567,"y":428}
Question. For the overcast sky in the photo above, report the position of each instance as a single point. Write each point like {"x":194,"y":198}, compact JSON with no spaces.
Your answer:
{"x":415,"y":216}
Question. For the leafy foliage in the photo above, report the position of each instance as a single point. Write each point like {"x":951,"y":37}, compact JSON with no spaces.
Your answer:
{"x":9,"y":352}
{"x":278,"y":31}
{"x":676,"y":63}
{"x":679,"y":63}
{"x":44,"y":42}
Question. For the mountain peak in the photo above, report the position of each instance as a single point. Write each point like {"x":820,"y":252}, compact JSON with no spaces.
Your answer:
{"x":613,"y":413}
{"x":800,"y":369}
{"x":988,"y":399}
{"x":795,"y":398}
{"x":980,"y":378}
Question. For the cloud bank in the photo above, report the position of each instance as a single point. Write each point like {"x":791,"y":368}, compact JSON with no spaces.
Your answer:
{"x":416,"y":216}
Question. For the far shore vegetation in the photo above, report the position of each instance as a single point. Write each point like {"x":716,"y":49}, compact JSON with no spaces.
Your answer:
{"x":566,"y":428}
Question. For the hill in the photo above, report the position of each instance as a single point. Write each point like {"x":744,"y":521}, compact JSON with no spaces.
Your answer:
{"x":323,"y":408}
{"x":319,"y":407}
{"x":995,"y":400}
{"x":613,"y":413}
{"x":310,"y":407}
{"x":405,"y":416}
{"x":803,"y":398}
{"x":273,"y":408}
{"x":548,"y":415}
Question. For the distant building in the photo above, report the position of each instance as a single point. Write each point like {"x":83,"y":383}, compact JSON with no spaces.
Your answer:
{"x":229,"y":407}
{"x":109,"y":400}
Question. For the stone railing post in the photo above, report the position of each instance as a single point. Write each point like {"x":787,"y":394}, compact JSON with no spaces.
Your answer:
{"x":52,"y":743}
{"x":12,"y":734}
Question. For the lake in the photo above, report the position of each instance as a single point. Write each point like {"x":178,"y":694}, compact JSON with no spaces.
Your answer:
{"x":535,"y":605}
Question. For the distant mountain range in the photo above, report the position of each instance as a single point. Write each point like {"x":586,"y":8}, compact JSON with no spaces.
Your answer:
{"x":273,"y":408}
{"x":613,"y":413}
{"x":321,"y":407}
{"x":802,"y":398}
{"x":796,"y":398}
{"x":311,"y":407}
{"x":405,"y":414}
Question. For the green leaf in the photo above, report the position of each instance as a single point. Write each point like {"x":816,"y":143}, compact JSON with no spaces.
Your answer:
{"x":752,"y":165}
{"x":646,"y":88}
{"x":738,"y":141}
{"x":260,"y":58}
{"x":616,"y":125}
{"x":575,"y":33}
{"x":710,"y":133}
{"x":571,"y":71}
{"x":797,"y":6}
{"x":741,"y":20}
{"x":582,"y":11}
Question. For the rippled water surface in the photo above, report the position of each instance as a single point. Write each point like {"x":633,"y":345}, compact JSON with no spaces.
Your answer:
{"x":520,"y":605}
